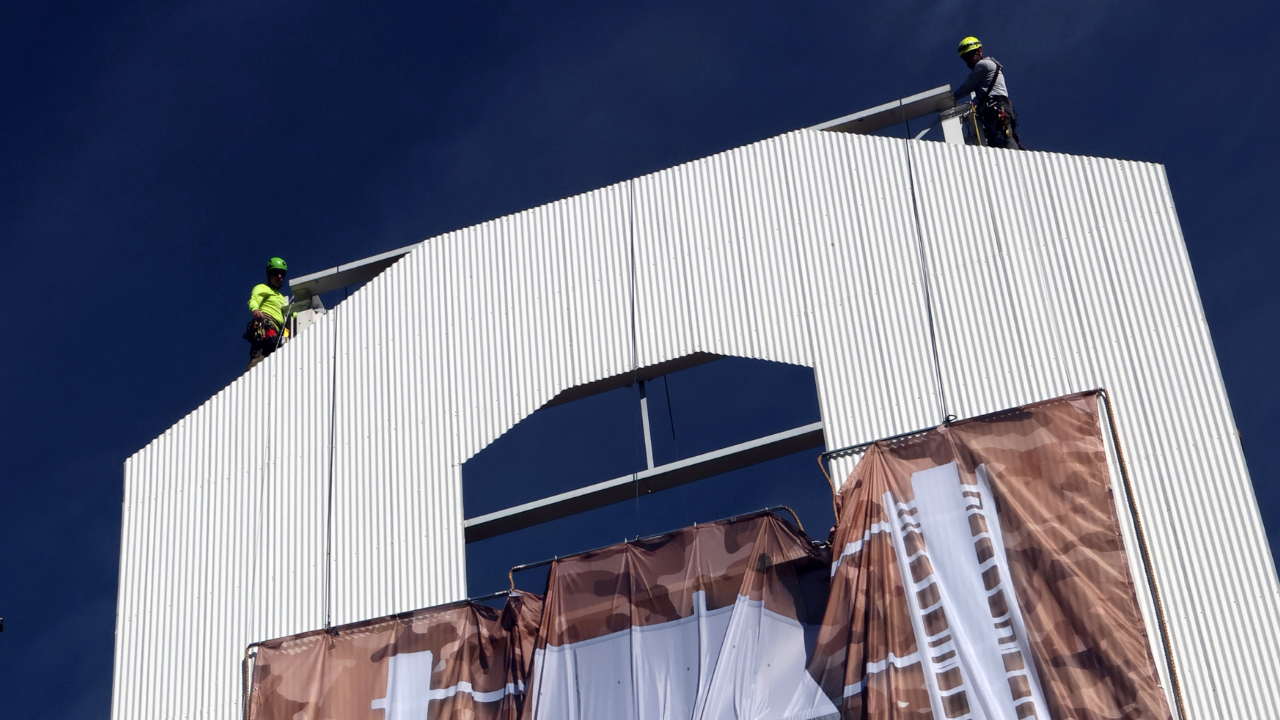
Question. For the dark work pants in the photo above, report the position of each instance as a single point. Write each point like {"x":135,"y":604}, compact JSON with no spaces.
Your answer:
{"x":259,"y":352}
{"x":993,"y":127}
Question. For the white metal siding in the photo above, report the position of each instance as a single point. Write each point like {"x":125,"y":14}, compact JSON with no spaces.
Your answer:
{"x":1049,"y":274}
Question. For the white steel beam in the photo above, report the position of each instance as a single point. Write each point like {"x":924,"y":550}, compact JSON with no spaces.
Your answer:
{"x":953,"y":124}
{"x":662,"y":477}
{"x":891,"y":113}
{"x":352,"y":273}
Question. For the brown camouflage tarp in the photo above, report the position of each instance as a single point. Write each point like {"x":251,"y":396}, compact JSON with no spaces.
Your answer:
{"x":465,"y":660}
{"x":980,"y":571}
{"x":709,"y":620}
{"x":652,"y":581}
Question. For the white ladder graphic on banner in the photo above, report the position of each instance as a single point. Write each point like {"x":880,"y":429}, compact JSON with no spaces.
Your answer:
{"x":963,"y":609}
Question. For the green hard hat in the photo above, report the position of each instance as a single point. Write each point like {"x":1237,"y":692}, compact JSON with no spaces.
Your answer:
{"x":277,"y":264}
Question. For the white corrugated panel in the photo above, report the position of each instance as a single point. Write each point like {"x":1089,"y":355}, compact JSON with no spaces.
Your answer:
{"x":1058,"y":273}
{"x":1048,"y":273}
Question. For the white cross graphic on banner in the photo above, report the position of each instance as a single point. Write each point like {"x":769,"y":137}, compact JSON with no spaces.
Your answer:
{"x":409,"y":688}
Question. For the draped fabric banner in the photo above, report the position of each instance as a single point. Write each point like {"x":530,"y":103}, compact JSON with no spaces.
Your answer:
{"x":714,"y":621}
{"x":979,"y":572}
{"x":465,"y":660}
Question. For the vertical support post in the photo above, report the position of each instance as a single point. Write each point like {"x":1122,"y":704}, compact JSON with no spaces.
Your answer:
{"x":952,"y":132}
{"x":953,"y":124}
{"x":644,"y":419}
{"x":303,"y":318}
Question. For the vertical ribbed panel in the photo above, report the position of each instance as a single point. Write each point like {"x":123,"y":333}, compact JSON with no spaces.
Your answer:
{"x":1058,"y":273}
{"x":223,"y":536}
{"x":440,"y":355}
{"x":702,"y":282}
{"x":855,"y":230}
{"x":1049,"y":274}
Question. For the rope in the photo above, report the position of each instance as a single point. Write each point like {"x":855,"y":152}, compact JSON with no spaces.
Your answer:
{"x":924,"y":272}
{"x":835,"y":507}
{"x":246,"y":689}
{"x":1146,"y":553}
{"x":794,"y":516}
{"x":671,"y":418}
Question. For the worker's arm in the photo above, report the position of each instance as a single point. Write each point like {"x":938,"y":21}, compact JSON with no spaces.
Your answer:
{"x":977,"y":78}
{"x":256,"y":298}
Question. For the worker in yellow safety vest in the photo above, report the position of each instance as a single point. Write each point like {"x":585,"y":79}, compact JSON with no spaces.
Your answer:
{"x":267,"y":330}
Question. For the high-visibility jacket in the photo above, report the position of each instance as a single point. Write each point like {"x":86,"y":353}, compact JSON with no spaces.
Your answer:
{"x":269,"y":300}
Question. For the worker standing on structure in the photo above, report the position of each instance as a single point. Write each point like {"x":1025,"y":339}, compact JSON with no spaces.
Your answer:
{"x":266,"y":330}
{"x":992,"y":104}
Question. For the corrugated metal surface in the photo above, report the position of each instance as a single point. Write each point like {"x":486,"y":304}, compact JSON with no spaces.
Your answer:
{"x":1049,"y":274}
{"x":1075,"y":275}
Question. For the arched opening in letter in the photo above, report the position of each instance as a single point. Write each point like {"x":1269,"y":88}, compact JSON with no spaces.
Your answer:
{"x":723,"y":436}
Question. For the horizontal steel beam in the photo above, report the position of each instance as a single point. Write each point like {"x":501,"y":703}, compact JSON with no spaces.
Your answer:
{"x":352,"y":273}
{"x":662,"y":477}
{"x":643,"y":374}
{"x":891,"y":113}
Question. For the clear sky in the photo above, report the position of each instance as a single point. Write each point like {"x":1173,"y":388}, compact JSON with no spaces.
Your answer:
{"x":153,"y":155}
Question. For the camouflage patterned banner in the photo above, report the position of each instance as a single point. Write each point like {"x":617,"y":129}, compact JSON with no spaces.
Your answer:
{"x":980,"y":573}
{"x":465,"y":660}
{"x":714,"y":621}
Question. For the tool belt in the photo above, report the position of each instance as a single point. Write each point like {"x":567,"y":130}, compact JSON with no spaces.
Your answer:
{"x":994,"y":105}
{"x":263,"y":331}
{"x":997,"y":116}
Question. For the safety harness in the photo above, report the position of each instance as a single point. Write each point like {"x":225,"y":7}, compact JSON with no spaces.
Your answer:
{"x":997,"y":111}
{"x":984,"y":95}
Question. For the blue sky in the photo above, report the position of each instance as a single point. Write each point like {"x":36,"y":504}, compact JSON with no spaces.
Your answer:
{"x":155,"y":154}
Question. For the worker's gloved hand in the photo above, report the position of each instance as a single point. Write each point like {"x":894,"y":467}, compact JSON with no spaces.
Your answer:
{"x":259,"y":315}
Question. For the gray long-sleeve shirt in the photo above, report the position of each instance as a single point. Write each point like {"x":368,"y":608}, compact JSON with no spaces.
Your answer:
{"x":980,"y":79}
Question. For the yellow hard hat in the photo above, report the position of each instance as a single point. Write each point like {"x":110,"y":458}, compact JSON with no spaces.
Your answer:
{"x":968,"y":45}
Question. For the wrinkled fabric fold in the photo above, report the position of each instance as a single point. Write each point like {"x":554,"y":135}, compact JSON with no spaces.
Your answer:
{"x":465,"y":660}
{"x":711,"y":622}
{"x":979,"y":571}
